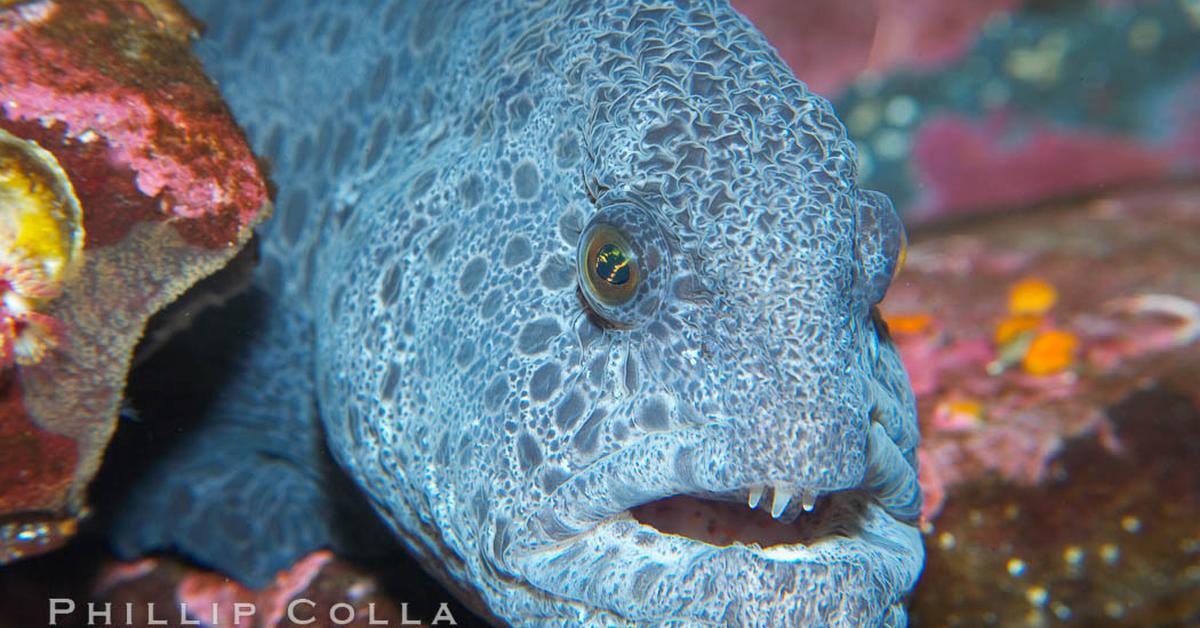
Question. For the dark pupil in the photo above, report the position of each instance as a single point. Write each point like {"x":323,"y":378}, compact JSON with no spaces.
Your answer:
{"x":612,"y":265}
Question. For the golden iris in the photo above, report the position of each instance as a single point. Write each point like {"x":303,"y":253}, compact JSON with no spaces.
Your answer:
{"x":612,"y":269}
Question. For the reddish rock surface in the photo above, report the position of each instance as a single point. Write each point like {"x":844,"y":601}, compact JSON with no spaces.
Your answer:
{"x":1056,"y":357}
{"x":169,"y":192}
{"x":965,"y":165}
{"x":1109,"y":538}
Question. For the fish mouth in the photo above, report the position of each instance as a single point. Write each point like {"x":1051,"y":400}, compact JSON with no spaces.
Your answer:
{"x":722,"y":523}
{"x":643,"y":549}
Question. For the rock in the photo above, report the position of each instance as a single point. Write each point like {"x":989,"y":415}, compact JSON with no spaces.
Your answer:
{"x":154,"y":188}
{"x":963,"y":107}
{"x":1055,"y":356}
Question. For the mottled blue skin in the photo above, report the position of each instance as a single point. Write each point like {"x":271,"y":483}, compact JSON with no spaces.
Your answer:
{"x":436,"y":165}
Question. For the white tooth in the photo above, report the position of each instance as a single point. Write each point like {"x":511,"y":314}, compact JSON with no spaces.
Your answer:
{"x":783,"y":495}
{"x":756,"y":494}
{"x":808,"y":499}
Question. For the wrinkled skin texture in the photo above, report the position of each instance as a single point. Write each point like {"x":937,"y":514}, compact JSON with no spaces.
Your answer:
{"x":436,"y":166}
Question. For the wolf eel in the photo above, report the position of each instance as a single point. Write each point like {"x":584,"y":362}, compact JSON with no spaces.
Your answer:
{"x":581,"y":295}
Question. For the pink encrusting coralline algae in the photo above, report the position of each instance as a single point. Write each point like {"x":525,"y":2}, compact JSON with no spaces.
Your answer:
{"x":144,"y":102}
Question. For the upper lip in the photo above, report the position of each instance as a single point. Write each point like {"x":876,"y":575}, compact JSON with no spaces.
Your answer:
{"x":658,"y":466}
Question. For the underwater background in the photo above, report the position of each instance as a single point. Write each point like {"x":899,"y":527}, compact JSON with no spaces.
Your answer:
{"x":1046,"y":158}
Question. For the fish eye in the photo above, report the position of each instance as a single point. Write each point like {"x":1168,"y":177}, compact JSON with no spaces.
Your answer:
{"x":622,"y":263}
{"x":611,"y":264}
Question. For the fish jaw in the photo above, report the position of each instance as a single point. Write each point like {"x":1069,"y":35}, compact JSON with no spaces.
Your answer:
{"x":656,"y":533}
{"x":624,"y":567}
